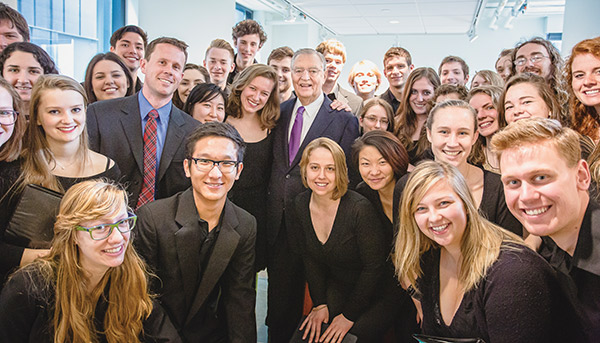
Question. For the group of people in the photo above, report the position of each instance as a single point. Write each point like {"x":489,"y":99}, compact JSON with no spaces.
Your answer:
{"x":432,"y":209}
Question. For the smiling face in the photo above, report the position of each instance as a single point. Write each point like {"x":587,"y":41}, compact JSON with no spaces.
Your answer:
{"x":22,"y":70}
{"x":375,"y":170}
{"x":164,"y":71}
{"x":61,"y":113}
{"x":374,"y":119}
{"x":320,"y":172}
{"x":452,"y":135}
{"x":247,"y":46}
{"x":191,"y":77}
{"x":586,"y":80}
{"x":308,"y":77}
{"x":212,"y":186}
{"x":6,"y":104}
{"x":532,"y":50}
{"x":131,"y":50}
{"x":255,"y":95}
{"x":96,"y":257}
{"x":283,"y":67}
{"x":441,"y":215}
{"x":219,"y":64}
{"x":452,"y":73}
{"x":335,"y":64}
{"x":212,"y":110}
{"x":397,"y":71}
{"x":108,"y":80}
{"x":504,"y":67}
{"x":487,"y":115}
{"x":365,"y":81}
{"x":524,"y":101}
{"x":420,"y":94}
{"x":541,"y":190}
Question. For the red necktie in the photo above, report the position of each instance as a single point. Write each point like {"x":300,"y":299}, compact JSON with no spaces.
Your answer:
{"x":147,"y":193}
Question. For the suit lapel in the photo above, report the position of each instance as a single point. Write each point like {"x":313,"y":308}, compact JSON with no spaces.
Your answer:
{"x":187,"y":242}
{"x":132,"y":125}
{"x":175,"y":135}
{"x":218,"y":261}
{"x":319,"y":125}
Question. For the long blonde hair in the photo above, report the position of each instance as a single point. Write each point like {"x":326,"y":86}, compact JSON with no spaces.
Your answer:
{"x":481,"y":241}
{"x":37,"y":154}
{"x":129,"y":302}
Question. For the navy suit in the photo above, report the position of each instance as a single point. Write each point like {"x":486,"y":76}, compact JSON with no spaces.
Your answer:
{"x":115,"y":130}
{"x":286,"y":279}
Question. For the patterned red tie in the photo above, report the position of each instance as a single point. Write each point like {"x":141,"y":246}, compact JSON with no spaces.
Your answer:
{"x":147,"y":193}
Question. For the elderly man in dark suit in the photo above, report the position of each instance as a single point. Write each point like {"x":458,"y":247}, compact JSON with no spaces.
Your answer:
{"x":303,"y":119}
{"x":144,"y":133}
{"x":201,"y":245}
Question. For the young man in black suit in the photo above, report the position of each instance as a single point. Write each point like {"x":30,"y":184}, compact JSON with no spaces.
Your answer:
{"x":201,"y":245}
{"x":116,"y":127}
{"x":316,"y":118}
{"x":546,"y":188}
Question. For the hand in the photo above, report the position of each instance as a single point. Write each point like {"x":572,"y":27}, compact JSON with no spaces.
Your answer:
{"x":31,"y":254}
{"x":419,"y":310}
{"x":313,"y":322}
{"x":339,"y":106}
{"x":338,"y":329}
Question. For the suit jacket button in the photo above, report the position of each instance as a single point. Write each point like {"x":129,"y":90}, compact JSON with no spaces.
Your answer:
{"x":287,"y":176}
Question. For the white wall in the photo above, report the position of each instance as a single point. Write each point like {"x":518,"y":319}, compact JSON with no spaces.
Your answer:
{"x":581,"y":22}
{"x":195,"y":22}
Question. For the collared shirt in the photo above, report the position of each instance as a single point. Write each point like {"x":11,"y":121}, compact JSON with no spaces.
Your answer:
{"x":162,"y":123}
{"x":579,"y":275}
{"x":391,"y":99}
{"x":310,"y":113}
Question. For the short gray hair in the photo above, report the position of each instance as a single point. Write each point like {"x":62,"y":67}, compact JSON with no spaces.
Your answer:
{"x":309,"y":51}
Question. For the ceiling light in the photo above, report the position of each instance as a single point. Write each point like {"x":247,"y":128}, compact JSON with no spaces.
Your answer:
{"x":394,"y":21}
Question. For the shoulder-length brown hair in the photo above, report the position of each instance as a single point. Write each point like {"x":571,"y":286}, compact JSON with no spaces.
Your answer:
{"x":129,"y":301}
{"x":11,"y":149}
{"x":339,"y":159}
{"x":89,"y":74}
{"x":268,"y":115}
{"x":38,"y":157}
{"x":586,"y":120}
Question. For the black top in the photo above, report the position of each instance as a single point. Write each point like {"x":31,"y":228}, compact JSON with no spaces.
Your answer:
{"x":235,"y":72}
{"x":391,"y":99}
{"x":27,"y":304}
{"x":373,"y":197}
{"x":519,"y":300}
{"x":351,"y":262}
{"x":579,"y":275}
{"x":250,"y":191}
{"x":492,"y":207}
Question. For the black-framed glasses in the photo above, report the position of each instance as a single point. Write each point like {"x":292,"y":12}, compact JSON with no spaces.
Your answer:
{"x":521,"y":61}
{"x":8,"y":117}
{"x":206,"y":165}
{"x":103,"y":231}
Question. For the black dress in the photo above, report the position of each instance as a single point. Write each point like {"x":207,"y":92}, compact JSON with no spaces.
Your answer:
{"x":250,"y":191}
{"x":27,"y":304}
{"x":519,"y":300}
{"x":492,"y":207}
{"x":348,"y":272}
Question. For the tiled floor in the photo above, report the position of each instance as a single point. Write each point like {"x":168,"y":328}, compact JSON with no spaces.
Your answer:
{"x":261,"y":307}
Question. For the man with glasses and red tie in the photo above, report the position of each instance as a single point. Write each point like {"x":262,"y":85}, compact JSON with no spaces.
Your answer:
{"x":302,"y":120}
{"x":201,"y":245}
{"x":144,"y":133}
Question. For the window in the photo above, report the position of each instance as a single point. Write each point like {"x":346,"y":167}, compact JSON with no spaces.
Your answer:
{"x":242,"y":13}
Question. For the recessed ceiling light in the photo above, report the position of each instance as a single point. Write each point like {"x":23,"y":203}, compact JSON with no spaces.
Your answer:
{"x":394,"y":22}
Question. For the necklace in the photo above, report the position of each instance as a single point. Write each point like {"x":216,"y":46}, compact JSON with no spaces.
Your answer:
{"x":64,"y":167}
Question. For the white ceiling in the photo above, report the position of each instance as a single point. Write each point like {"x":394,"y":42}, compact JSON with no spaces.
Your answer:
{"x":381,"y":17}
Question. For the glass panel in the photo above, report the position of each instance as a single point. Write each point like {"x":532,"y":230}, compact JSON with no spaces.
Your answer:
{"x":42,"y":13}
{"x":72,"y":16}
{"x":58,"y":22}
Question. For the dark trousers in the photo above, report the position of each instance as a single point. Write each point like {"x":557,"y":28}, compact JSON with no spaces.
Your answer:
{"x":285,"y":297}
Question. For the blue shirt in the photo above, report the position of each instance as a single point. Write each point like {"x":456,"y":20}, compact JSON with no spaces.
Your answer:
{"x":162,"y":124}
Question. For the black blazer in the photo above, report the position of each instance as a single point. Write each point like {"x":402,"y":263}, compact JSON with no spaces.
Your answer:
{"x":285,"y":182}
{"x":115,"y":130}
{"x":166,"y":237}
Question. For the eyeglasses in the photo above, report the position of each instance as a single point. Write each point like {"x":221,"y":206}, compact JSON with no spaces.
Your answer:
{"x":8,"y":117}
{"x":521,"y":61}
{"x":103,"y":231}
{"x":374,"y":120}
{"x":311,"y":71}
{"x":206,"y":165}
